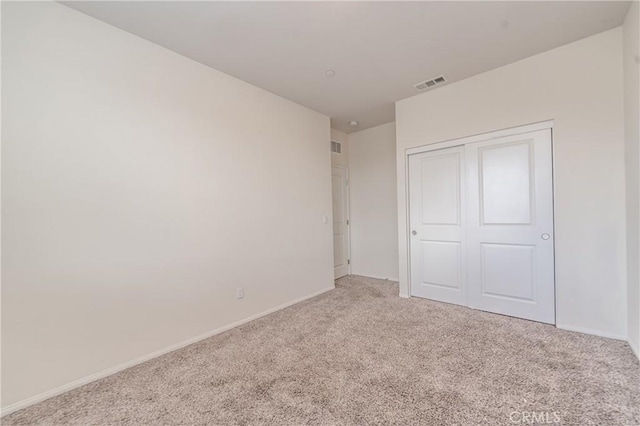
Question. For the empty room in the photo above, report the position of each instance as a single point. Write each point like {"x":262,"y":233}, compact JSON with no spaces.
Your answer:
{"x":322,"y":212}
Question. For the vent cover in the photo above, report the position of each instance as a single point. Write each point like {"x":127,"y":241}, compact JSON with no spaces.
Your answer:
{"x":430,"y":83}
{"x":336,"y":147}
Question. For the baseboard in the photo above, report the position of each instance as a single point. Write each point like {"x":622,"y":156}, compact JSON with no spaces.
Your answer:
{"x":591,"y":331}
{"x":109,"y":371}
{"x":378,"y":278}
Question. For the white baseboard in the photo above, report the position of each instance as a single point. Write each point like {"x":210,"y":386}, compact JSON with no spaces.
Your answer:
{"x":591,"y":331}
{"x":378,"y":278}
{"x":109,"y":371}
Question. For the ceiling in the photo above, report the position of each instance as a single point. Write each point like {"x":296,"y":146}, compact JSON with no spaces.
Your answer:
{"x":378,"y":50}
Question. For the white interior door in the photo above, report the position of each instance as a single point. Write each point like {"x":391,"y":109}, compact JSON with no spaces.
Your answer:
{"x":510,"y":226}
{"x":437,"y":212}
{"x":339,"y":184}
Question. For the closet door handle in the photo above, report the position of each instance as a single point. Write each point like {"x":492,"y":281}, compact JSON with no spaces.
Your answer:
{"x":414,"y":232}
{"x":545,"y":236}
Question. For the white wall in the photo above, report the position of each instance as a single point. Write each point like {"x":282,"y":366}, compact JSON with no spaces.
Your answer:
{"x":374,"y":218}
{"x":631,"y":35}
{"x":580,"y":87}
{"x":341,"y":159}
{"x":140,"y":188}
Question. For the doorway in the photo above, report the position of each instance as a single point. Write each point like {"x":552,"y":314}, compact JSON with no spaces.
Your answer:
{"x":341,"y":243}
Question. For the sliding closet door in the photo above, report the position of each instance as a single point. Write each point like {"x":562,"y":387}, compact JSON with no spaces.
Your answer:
{"x":436,"y":210}
{"x":510,"y":226}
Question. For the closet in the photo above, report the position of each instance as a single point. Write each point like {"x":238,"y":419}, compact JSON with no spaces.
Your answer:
{"x":481,"y":224}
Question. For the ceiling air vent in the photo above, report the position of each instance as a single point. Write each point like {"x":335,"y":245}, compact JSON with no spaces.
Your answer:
{"x":430,"y":83}
{"x":336,"y":147}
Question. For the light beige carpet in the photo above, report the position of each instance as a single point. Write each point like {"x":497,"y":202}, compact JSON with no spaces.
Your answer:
{"x":361,"y":355}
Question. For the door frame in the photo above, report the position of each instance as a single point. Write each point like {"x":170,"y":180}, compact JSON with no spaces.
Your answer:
{"x":542,"y":125}
{"x":348,"y":219}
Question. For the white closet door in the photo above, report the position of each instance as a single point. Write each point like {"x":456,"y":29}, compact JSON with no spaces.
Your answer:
{"x":437,"y":225}
{"x":510,"y":226}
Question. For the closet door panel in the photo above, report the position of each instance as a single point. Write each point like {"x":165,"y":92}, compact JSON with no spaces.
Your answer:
{"x":436,"y":208}
{"x":510,"y":226}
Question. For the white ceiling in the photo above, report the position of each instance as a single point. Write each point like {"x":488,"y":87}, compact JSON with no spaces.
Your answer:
{"x":378,"y":50}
